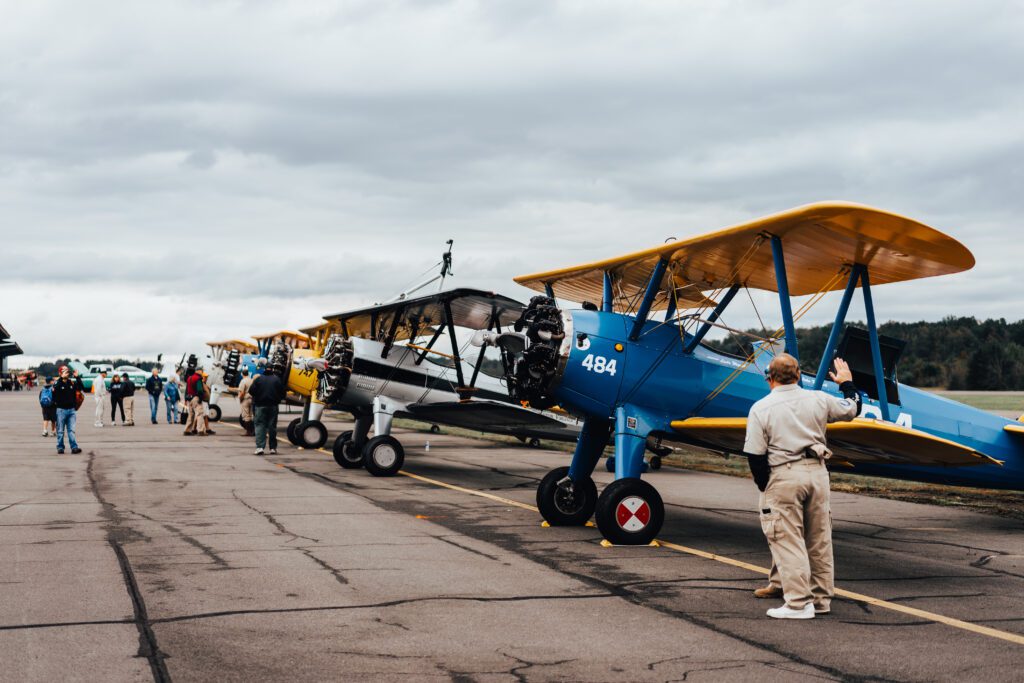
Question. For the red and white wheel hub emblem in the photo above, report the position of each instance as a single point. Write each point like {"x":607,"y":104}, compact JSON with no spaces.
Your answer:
{"x":633,"y":513}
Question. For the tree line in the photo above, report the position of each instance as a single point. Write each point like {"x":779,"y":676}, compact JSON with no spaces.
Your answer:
{"x":953,"y":353}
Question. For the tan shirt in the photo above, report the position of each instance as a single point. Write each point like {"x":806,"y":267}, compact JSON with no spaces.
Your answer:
{"x":243,"y":388}
{"x":792,"y":419}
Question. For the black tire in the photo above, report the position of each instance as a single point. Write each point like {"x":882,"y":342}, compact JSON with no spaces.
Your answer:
{"x":345,"y":452}
{"x":215,"y":413}
{"x":566,"y":507}
{"x":434,"y":429}
{"x":629,"y":512}
{"x":655,"y":462}
{"x":311,"y":434}
{"x":293,"y":437}
{"x":534,"y":442}
{"x":383,"y":456}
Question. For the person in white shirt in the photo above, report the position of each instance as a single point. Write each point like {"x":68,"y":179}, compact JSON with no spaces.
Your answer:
{"x":99,"y":396}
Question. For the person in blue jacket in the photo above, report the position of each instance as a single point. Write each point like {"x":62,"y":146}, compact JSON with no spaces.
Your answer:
{"x":171,"y":396}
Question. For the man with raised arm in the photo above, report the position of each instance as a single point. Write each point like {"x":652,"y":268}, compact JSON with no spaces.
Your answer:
{"x":787,"y":449}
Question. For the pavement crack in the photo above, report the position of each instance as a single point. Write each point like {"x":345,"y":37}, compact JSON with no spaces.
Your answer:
{"x":379,"y":605}
{"x":273,"y":520}
{"x":148,"y":646}
{"x":449,"y":541}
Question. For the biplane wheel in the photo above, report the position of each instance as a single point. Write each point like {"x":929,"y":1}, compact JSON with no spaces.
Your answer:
{"x":383,"y":456}
{"x":215,"y":413}
{"x":566,"y":505}
{"x":629,"y":512}
{"x":312,"y":434}
{"x":534,"y":442}
{"x":655,"y":462}
{"x":434,"y":429}
{"x":290,"y":432}
{"x":346,"y":453}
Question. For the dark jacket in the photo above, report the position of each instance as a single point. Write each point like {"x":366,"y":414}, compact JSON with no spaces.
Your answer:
{"x":127,"y":387}
{"x":154,"y":385}
{"x":116,"y":390}
{"x":267,"y":390}
{"x":64,"y":392}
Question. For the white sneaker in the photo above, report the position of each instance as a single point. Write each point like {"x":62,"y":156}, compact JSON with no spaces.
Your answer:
{"x":259,"y":451}
{"x":97,"y":424}
{"x":273,"y":451}
{"x":786,"y":612}
{"x":822,"y":609}
{"x":46,"y":433}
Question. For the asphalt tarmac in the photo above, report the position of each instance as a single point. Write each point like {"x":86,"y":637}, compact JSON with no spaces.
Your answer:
{"x":153,"y":556}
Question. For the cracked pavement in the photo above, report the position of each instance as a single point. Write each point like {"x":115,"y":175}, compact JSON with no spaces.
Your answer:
{"x":157,"y":557}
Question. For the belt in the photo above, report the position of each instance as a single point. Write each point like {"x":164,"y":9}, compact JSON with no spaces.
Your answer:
{"x":807,"y":455}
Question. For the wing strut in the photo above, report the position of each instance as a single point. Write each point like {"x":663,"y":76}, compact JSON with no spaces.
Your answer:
{"x":653,"y":285}
{"x":715,"y":314}
{"x":455,"y":343}
{"x":782,"y":283}
{"x":876,"y":350}
{"x":833,"y":336}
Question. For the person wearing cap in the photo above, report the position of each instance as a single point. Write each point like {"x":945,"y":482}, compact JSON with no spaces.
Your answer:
{"x":786,"y":448}
{"x":99,"y":396}
{"x":65,"y":398}
{"x":267,"y":392}
{"x":206,"y":401}
{"x":128,"y":396}
{"x":194,"y":402}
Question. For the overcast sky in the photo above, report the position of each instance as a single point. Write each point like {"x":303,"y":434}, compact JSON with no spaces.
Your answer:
{"x":172,"y":172}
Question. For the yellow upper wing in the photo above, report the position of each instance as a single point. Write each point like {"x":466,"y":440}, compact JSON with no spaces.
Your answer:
{"x":861,"y":440}
{"x":234,"y":345}
{"x":818,"y":240}
{"x":293,"y":338}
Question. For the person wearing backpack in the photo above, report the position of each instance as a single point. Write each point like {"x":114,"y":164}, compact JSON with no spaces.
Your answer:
{"x":171,"y":396}
{"x":49,"y":409}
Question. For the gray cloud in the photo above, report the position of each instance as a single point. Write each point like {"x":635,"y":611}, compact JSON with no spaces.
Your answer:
{"x":264,"y":159}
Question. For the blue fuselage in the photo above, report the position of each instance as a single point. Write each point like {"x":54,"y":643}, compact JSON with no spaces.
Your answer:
{"x":660,"y":382}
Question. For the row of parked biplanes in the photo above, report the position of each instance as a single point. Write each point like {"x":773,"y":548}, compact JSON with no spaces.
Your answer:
{"x":611,"y":356}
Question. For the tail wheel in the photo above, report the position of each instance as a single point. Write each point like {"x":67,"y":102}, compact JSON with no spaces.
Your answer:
{"x":630,"y":512}
{"x":655,"y":462}
{"x":293,"y":437}
{"x":434,"y":429}
{"x":568,"y":504}
{"x":346,"y":453}
{"x":383,"y":456}
{"x":534,"y":442}
{"x":215,"y":413}
{"x":311,"y":434}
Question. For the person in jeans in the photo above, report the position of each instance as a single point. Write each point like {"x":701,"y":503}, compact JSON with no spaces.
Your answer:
{"x":154,"y":387}
{"x":116,"y":399}
{"x":99,"y":396}
{"x":267,"y":392}
{"x":128,"y":396}
{"x":171,"y":396}
{"x":65,"y":398}
{"x":49,"y":409}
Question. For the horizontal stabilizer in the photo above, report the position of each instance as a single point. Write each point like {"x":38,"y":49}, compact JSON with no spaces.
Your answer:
{"x":1016,"y":428}
{"x":862,"y":440}
{"x":496,"y":417}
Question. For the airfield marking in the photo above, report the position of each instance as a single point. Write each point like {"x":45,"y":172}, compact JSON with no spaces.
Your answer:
{"x":859,"y":597}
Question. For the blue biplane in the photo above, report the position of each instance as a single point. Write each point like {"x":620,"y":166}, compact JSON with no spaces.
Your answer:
{"x":634,"y":378}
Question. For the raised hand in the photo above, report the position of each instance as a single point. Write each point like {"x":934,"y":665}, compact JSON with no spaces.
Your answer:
{"x":842,"y":373}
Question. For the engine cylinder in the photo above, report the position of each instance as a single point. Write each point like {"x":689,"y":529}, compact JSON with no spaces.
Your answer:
{"x":531,"y":373}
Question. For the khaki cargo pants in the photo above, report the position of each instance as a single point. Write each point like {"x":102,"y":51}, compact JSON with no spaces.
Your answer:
{"x":246,"y":406}
{"x":195,"y":422}
{"x":798,"y":526}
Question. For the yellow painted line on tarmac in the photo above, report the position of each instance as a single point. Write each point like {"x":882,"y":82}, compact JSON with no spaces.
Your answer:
{"x":859,"y":597}
{"x":978,"y":629}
